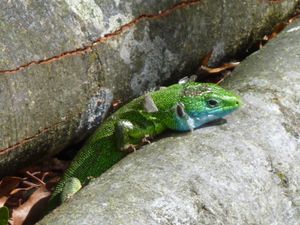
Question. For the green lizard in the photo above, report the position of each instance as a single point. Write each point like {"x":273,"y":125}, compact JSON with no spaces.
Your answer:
{"x":182,"y":107}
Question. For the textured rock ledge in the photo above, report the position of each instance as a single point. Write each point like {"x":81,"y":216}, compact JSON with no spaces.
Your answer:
{"x":243,"y":172}
{"x":60,"y":62}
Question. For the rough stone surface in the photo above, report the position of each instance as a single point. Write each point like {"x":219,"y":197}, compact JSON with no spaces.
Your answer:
{"x":245,"y":171}
{"x":57,"y":56}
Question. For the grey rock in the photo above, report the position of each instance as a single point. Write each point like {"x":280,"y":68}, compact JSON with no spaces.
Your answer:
{"x":57,"y":56}
{"x":245,"y":171}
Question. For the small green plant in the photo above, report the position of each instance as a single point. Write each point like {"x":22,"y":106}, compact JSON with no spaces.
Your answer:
{"x":4,"y":215}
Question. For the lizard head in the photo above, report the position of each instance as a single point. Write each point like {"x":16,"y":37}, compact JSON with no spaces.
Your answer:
{"x":200,"y":103}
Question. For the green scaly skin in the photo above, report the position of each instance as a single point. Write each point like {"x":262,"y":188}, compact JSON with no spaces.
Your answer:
{"x":180,"y":107}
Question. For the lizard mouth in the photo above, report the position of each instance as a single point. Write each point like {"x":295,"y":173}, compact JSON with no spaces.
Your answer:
{"x":226,"y":109}
{"x":231,"y":108}
{"x":237,"y":103}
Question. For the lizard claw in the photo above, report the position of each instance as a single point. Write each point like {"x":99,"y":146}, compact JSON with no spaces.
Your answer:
{"x":146,"y":140}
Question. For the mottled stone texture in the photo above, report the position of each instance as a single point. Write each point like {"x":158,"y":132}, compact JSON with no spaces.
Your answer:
{"x":61,"y":61}
{"x":245,"y":171}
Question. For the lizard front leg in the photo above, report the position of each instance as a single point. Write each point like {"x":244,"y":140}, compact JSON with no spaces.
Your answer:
{"x":134,"y":130}
{"x":124,"y":140}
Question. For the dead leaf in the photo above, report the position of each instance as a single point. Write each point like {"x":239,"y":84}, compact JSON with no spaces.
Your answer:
{"x":206,"y":59}
{"x":7,"y":185}
{"x":277,"y":29}
{"x":116,"y":104}
{"x":32,"y":209}
{"x":225,"y":74}
{"x":224,"y":67}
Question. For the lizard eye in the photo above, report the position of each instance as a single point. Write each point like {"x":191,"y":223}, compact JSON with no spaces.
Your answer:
{"x":212,"y":103}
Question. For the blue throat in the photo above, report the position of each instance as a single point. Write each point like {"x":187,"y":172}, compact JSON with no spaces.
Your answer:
{"x":195,"y":120}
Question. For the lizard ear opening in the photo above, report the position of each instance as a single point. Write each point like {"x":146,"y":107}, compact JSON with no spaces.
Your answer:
{"x":180,"y":110}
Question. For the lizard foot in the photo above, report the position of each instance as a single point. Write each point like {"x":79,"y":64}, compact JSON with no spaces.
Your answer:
{"x":129,"y":148}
